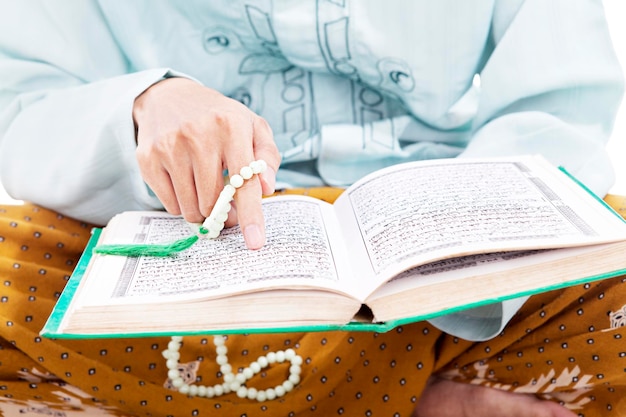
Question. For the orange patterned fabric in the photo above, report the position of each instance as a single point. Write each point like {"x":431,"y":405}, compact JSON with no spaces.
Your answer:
{"x":564,"y":346}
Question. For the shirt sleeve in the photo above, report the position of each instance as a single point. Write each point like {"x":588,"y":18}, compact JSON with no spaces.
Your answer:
{"x":67,"y":138}
{"x":551,"y":85}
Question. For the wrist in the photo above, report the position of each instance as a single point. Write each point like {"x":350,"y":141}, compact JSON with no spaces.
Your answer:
{"x":154,"y":94}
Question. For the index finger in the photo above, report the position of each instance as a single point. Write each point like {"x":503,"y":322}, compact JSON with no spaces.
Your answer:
{"x":249,"y":211}
{"x":248,"y":195}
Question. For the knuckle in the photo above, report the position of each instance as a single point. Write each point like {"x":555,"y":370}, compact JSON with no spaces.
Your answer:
{"x":263,"y":124}
{"x":187,"y":130}
{"x":142,"y":154}
{"x":231,"y":123}
{"x":222,"y":120}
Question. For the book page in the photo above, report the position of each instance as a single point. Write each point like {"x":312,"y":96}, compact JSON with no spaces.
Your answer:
{"x":417,"y":213}
{"x":297,"y":254}
{"x":468,"y":266}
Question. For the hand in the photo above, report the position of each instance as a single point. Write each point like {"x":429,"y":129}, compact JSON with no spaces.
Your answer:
{"x":187,"y":134}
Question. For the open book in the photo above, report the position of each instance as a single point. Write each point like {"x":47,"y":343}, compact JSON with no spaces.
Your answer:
{"x":406,"y":243}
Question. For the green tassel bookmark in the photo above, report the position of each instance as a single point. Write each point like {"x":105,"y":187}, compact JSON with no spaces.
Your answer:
{"x":136,"y":250}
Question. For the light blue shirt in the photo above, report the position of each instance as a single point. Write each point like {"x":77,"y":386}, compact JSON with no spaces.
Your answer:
{"x":348,"y":87}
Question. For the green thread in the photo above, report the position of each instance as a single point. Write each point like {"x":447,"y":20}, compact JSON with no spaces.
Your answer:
{"x":135,"y":250}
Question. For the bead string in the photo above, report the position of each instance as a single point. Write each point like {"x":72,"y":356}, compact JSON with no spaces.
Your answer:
{"x":234,"y":382}
{"x":213,"y":225}
{"x":209,"y":229}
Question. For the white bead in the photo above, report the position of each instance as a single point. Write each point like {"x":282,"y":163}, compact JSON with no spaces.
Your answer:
{"x":255,"y":367}
{"x":171,"y":363}
{"x":173,"y":355}
{"x":213,"y":224}
{"x":288,"y":386}
{"x":221,"y":359}
{"x":222,"y":217}
{"x":262,"y":361}
{"x":256,"y":167}
{"x":261,"y":396}
{"x":290,"y":354}
{"x":294,"y":378}
{"x":210,"y":392}
{"x":173,"y":374}
{"x":295,"y":369}
{"x":248,"y":373}
{"x":246,"y":173}
{"x":271,"y":357}
{"x":228,"y":192}
{"x":270,"y":393}
{"x":252,"y":393}
{"x":227,"y":388}
{"x":228,"y":378}
{"x":280,"y":356}
{"x":226,"y":368}
{"x":280,"y":390}
{"x":173,"y":346}
{"x":262,"y":165}
{"x":222,"y":204}
{"x":218,"y":340}
{"x":202,"y":390}
{"x":193,"y":390}
{"x":218,"y":390}
{"x":177,"y":339}
{"x":297,"y":360}
{"x":177,"y":382}
{"x":221,"y":350}
{"x":216,"y":225}
{"x":234,"y":386}
{"x":184,"y":389}
{"x":242,"y":392}
{"x":236,"y":180}
{"x":240,"y":378}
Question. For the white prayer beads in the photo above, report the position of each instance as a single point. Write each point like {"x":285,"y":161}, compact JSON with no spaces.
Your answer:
{"x":234,"y":382}
{"x":213,"y":225}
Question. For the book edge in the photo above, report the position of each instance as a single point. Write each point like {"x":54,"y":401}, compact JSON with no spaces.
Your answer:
{"x":52,"y":329}
{"x":547,"y":288}
{"x":591,"y":193}
{"x":54,"y":321}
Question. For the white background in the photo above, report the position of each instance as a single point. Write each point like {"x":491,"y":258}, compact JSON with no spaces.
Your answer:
{"x":616,"y":15}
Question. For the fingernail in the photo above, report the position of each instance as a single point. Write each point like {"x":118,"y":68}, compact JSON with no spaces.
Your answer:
{"x":254,"y":236}
{"x":269,"y":181}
